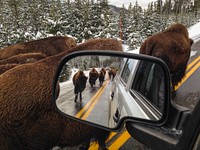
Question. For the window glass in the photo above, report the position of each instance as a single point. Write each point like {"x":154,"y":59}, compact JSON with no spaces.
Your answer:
{"x":127,"y":69}
{"x":123,"y":61}
{"x":149,"y":82}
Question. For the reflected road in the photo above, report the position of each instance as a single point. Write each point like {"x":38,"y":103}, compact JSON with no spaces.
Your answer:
{"x":92,"y":97}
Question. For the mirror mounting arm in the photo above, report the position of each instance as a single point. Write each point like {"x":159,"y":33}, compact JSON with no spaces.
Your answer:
{"x":143,"y":133}
{"x":177,"y":116}
{"x":168,"y":135}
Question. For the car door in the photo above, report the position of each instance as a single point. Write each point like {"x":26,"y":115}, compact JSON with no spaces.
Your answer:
{"x":123,"y":103}
{"x":180,"y":132}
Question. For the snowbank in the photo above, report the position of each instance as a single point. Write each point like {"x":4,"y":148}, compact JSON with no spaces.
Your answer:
{"x":194,"y":32}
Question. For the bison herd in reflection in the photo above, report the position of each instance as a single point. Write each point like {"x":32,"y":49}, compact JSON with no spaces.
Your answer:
{"x":29,"y":119}
{"x":79,"y":79}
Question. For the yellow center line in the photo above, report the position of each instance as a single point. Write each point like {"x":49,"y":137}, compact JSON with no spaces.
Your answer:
{"x":192,"y":63}
{"x":125,"y":136}
{"x":111,"y":136}
{"x":95,"y":146}
{"x":85,"y":108}
{"x":95,"y":101}
{"x":90,"y":105}
{"x":120,"y":141}
{"x":188,"y":75}
{"x":95,"y":98}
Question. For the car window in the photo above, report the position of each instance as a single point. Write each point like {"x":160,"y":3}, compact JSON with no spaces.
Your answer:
{"x":149,"y":82}
{"x":127,"y":69}
{"x":123,"y":62}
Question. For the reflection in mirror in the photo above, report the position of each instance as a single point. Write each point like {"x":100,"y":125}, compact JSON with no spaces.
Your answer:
{"x":104,"y":89}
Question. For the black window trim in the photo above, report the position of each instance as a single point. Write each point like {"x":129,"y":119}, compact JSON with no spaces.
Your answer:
{"x":151,"y":111}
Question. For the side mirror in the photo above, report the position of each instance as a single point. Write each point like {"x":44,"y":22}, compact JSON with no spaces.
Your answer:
{"x":106,"y":88}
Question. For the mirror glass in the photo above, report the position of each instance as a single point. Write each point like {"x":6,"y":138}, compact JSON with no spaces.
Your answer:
{"x":105,"y":89}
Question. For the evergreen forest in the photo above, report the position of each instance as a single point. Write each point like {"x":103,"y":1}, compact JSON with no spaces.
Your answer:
{"x":25,"y":20}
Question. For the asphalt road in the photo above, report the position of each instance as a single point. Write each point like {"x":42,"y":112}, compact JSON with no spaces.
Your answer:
{"x":188,"y":93}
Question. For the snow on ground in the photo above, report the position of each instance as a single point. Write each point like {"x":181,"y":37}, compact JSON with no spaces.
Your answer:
{"x":74,"y":70}
{"x":194,"y":32}
{"x":126,"y":49}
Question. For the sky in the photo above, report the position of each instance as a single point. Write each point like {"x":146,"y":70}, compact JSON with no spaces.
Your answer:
{"x":119,"y":3}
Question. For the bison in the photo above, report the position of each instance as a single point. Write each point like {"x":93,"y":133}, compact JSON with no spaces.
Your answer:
{"x":29,"y":118}
{"x":173,"y":46}
{"x":79,"y":81}
{"x":102,"y":74}
{"x":48,"y":46}
{"x":93,"y":75}
{"x":112,"y":73}
{"x":6,"y":67}
{"x":32,"y":51}
{"x":23,"y":58}
{"x":14,"y":61}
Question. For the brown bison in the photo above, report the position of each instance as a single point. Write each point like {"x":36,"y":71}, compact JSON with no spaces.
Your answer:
{"x":48,"y":46}
{"x":112,"y":73}
{"x":102,"y":74}
{"x":79,"y":81}
{"x":23,"y":58}
{"x":173,"y":46}
{"x":93,"y":75}
{"x":16,"y":60}
{"x":6,"y":67}
{"x":32,"y":51}
{"x":29,"y":118}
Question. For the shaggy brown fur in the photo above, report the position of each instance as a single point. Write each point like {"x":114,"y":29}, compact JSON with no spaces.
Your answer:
{"x":76,"y":75}
{"x":28,"y":117}
{"x":16,"y":60}
{"x":6,"y":67}
{"x":112,"y":73}
{"x":93,"y":75}
{"x":110,"y":44}
{"x":48,"y":46}
{"x":102,"y":74}
{"x":173,"y":46}
{"x":79,"y":81}
{"x":23,"y":58}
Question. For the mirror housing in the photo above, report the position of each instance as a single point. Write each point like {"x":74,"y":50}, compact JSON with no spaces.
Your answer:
{"x":78,"y":109}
